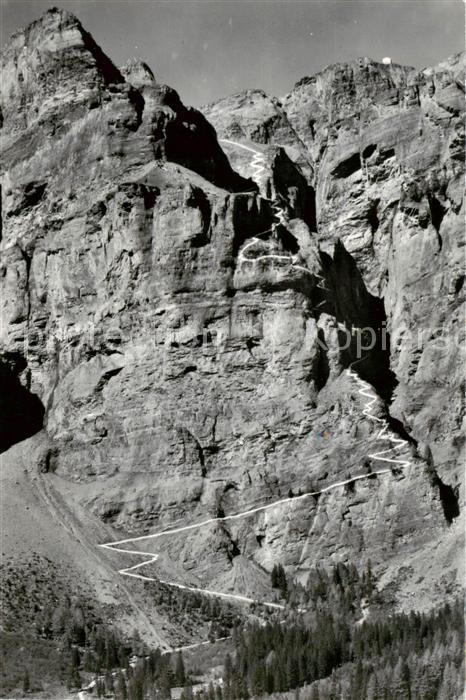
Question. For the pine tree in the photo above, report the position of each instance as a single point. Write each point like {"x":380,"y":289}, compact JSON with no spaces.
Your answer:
{"x":75,"y":658}
{"x":73,"y":679}
{"x":259,"y":678}
{"x":278,"y":579}
{"x":212,"y":634}
{"x":136,"y":687}
{"x":180,"y":674}
{"x":109,"y":686}
{"x":164,"y":683}
{"x":241,"y":689}
{"x":402,"y":680}
{"x":187,"y":693}
{"x":357,"y":682}
{"x":227,"y":677}
{"x":89,"y":661}
{"x":58,"y":621}
{"x":26,"y":682}
{"x":282,"y":581}
{"x":372,"y":691}
{"x":122,"y":689}
{"x":369,"y":580}
{"x":137,"y":644}
{"x":292,"y":671}
{"x":111,"y":655}
{"x":274,"y":576}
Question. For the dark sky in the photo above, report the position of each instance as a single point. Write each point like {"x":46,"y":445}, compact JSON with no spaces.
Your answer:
{"x":210,"y":49}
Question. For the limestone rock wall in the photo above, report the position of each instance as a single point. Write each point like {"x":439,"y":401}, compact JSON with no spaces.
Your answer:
{"x":186,"y":351}
{"x":388,"y":147}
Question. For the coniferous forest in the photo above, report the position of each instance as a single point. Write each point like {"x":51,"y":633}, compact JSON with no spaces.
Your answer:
{"x":334,"y":651}
{"x":338,"y":638}
{"x":413,"y":656}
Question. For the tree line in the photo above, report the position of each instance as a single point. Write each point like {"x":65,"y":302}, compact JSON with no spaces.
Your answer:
{"x":333,"y":651}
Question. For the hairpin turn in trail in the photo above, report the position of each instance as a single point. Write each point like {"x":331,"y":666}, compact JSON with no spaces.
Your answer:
{"x":384,"y":433}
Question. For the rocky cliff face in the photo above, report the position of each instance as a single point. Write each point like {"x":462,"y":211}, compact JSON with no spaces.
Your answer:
{"x":386,"y":145}
{"x":183,"y":352}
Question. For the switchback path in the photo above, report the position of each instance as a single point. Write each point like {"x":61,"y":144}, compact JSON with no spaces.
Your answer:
{"x":259,"y":166}
{"x":151,"y":557}
{"x":384,"y":433}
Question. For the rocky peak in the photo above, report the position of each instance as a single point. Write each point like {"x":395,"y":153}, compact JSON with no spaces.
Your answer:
{"x":57,"y":32}
{"x":69,"y":110}
{"x":137,"y":72}
{"x":53,"y":65}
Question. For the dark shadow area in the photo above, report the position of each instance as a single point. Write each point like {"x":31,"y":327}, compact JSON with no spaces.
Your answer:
{"x":21,"y":413}
{"x":348,"y":166}
{"x":234,"y":551}
{"x":321,"y":301}
{"x":28,"y":196}
{"x":199,"y":200}
{"x":398,"y":428}
{"x":366,"y":342}
{"x":33,"y":193}
{"x":191,"y":141}
{"x":373,"y":218}
{"x":369,"y":150}
{"x":437,"y":212}
{"x":449,"y":497}
{"x":250,"y":219}
{"x":459,"y":282}
{"x":387,"y":153}
{"x":288,"y":241}
{"x":291,"y":185}
{"x":321,"y":370}
{"x":310,"y":210}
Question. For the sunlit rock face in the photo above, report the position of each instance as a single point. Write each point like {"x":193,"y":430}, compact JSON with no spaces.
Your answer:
{"x":187,"y":349}
{"x":388,"y":148}
{"x":386,"y":145}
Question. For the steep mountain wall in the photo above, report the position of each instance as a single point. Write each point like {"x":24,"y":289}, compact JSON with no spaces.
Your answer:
{"x":386,"y":145}
{"x":183,"y":348}
{"x":388,"y":148}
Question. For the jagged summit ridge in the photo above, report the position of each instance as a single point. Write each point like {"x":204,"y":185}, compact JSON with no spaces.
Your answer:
{"x":363,"y":65}
{"x":53,"y":67}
